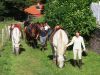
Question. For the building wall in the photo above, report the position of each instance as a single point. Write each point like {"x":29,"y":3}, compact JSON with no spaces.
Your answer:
{"x":95,"y":41}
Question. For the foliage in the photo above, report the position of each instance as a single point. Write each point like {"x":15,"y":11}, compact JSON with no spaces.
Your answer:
{"x":19,"y":3}
{"x":73,"y":15}
{"x":98,"y":24}
{"x":40,"y":19}
{"x":1,"y":8}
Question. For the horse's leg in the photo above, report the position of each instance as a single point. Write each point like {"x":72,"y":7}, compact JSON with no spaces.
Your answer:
{"x":35,"y":43}
{"x":55,"y":54}
{"x":13,"y":50}
{"x":13,"y":46}
{"x":29,"y":40}
{"x":26,"y":38}
{"x":22,"y":34}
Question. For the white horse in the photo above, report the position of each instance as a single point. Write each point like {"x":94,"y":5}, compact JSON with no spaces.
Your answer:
{"x":59,"y":42}
{"x":16,"y":35}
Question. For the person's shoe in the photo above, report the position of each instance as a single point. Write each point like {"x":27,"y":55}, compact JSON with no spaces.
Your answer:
{"x":41,"y":49}
{"x":45,"y":48}
{"x":80,"y":63}
{"x":75,"y":62}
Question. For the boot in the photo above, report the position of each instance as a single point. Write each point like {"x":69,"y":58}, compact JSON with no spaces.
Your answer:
{"x":75,"y":62}
{"x":80,"y":63}
{"x":41,"y":49}
{"x":45,"y":48}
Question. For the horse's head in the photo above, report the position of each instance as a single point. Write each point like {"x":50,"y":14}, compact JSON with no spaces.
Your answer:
{"x":17,"y":45}
{"x":35,"y":29}
{"x":33,"y":32}
{"x":58,"y":27}
{"x":60,"y":61}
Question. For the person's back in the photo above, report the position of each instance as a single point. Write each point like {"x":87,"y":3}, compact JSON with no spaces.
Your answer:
{"x":43,"y":33}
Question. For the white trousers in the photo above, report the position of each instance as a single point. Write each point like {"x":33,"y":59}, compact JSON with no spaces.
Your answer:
{"x":77,"y":52}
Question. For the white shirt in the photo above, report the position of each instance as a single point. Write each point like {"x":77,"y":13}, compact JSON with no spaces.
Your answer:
{"x":47,"y":27}
{"x":78,"y":43}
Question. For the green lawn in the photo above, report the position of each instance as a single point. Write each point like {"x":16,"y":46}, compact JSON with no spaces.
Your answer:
{"x":34,"y":62}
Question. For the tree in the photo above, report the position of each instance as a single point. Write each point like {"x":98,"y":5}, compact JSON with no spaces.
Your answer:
{"x":2,"y":7}
{"x":20,"y":4}
{"x":73,"y":15}
{"x":14,"y":8}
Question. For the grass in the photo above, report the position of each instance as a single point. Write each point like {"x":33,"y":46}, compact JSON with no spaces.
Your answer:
{"x":34,"y":62}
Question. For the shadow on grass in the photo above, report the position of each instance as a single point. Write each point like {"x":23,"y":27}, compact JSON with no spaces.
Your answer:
{"x":21,"y":49}
{"x":71,"y":61}
{"x":50,"y":57}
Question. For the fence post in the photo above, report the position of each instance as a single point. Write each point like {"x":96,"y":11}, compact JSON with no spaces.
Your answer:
{"x":2,"y":36}
{"x":6,"y":35}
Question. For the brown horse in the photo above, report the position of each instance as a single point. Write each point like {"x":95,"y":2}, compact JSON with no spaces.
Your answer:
{"x":32,"y":34}
{"x":27,"y":31}
{"x":35,"y":34}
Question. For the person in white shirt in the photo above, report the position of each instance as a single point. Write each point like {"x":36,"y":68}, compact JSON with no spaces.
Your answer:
{"x":77,"y":42}
{"x":48,"y":29}
{"x":46,"y":26}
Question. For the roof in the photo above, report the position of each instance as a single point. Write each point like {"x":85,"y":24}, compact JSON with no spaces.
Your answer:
{"x":33,"y":11}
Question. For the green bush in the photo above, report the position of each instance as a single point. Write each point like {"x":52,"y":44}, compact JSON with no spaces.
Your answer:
{"x":2,"y":7}
{"x":40,"y":19}
{"x":73,"y":15}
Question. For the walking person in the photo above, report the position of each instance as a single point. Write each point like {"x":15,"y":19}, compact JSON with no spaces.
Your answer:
{"x":43,"y":38}
{"x":48,"y":29}
{"x":77,"y":42}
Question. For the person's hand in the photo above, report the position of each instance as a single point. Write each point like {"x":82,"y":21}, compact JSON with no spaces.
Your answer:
{"x":84,"y":53}
{"x":84,"y":49}
{"x":66,"y":46}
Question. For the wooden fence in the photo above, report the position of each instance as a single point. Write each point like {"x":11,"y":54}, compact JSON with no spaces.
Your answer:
{"x":4,"y":36}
